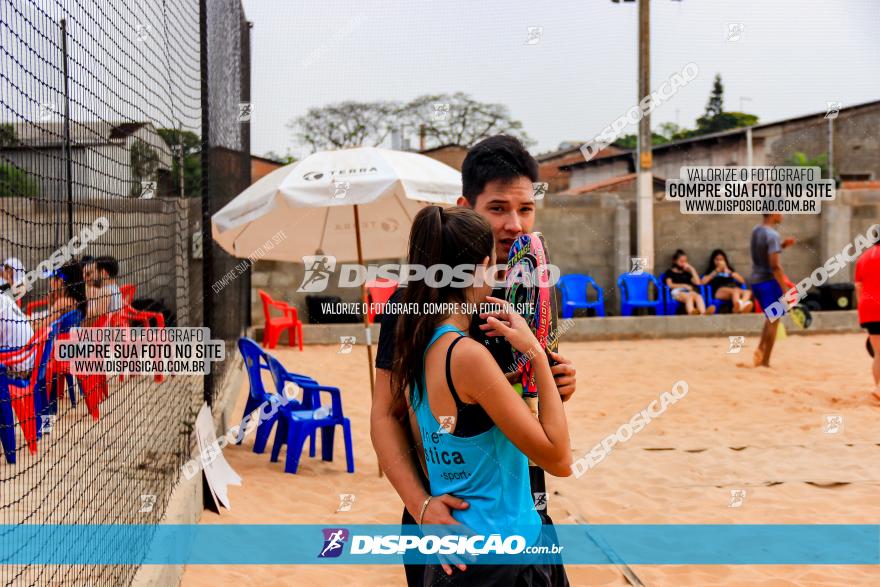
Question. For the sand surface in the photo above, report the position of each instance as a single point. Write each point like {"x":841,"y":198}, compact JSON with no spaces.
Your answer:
{"x":761,"y":430}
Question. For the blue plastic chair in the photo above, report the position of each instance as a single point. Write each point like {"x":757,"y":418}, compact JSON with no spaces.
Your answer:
{"x":711,"y":300}
{"x":256,"y":360}
{"x":68,"y":321}
{"x":7,"y":414}
{"x":635,"y":292}
{"x":672,"y":305}
{"x":575,"y":288}
{"x":7,"y":418}
{"x":297,"y":425}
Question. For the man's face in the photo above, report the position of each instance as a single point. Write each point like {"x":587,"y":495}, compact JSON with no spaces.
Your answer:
{"x":90,"y":275}
{"x":8,"y":274}
{"x":776,"y":218}
{"x":509,"y":207}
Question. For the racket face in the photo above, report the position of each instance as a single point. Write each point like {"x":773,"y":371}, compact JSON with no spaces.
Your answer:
{"x":529,"y":290}
{"x":801,"y":317}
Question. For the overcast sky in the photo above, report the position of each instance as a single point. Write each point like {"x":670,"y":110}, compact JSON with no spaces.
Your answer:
{"x":791,"y":58}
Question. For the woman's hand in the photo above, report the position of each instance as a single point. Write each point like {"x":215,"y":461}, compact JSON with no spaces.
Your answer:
{"x":511,"y":326}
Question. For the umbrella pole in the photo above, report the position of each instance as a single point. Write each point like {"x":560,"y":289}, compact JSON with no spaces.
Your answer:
{"x":365,"y":300}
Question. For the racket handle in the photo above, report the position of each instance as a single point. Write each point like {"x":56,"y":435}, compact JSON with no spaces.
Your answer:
{"x":532,"y":403}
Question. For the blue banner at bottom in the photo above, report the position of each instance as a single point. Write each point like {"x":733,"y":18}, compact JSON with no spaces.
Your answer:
{"x":295,"y":544}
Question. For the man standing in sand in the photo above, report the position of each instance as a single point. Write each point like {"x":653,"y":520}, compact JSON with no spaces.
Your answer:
{"x":498,"y":177}
{"x":768,"y":278}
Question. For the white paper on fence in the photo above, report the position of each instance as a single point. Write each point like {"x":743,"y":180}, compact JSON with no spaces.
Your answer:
{"x":310,"y":205}
{"x":217,"y":471}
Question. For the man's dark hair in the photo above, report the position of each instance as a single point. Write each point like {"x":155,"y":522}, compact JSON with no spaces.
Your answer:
{"x":71,"y":274}
{"x":500,"y":157}
{"x":108,"y":264}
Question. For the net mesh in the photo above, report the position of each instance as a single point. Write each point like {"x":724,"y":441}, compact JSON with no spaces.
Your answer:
{"x":103,"y":107}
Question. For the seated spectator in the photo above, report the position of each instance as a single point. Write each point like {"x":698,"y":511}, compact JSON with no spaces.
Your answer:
{"x":12,"y":273}
{"x":681,"y":278}
{"x":725,"y":283}
{"x":101,"y":288}
{"x":15,"y":331}
{"x":67,"y":291}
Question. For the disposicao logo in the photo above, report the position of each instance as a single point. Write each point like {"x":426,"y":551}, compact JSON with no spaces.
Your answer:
{"x":334,"y":541}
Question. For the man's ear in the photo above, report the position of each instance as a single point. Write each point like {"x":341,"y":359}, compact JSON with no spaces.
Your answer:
{"x":462,"y":202}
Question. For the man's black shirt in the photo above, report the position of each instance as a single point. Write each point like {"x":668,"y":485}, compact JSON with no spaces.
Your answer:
{"x":497,"y":345}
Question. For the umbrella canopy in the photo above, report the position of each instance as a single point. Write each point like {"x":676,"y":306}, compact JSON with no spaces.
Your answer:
{"x":313,"y":202}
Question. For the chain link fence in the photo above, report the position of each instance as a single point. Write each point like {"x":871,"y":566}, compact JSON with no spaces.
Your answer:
{"x":126,"y":115}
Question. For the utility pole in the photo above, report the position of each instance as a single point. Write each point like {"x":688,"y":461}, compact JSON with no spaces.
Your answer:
{"x":644,"y":161}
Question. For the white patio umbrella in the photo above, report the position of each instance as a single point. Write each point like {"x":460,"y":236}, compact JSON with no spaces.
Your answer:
{"x":314,"y":201}
{"x":352,"y":204}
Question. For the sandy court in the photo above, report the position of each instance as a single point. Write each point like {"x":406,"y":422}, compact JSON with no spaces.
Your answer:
{"x":738,"y":428}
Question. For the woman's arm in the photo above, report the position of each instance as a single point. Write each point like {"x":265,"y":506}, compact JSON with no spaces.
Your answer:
{"x":708,"y":277}
{"x":545,"y":440}
{"x":738,"y":277}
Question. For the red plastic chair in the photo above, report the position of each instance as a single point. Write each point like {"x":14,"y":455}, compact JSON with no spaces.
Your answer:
{"x":289,"y":321}
{"x":128,"y":291}
{"x":380,"y":291}
{"x":22,"y":396}
{"x":32,"y":306}
{"x":128,"y":316}
{"x":95,"y":387}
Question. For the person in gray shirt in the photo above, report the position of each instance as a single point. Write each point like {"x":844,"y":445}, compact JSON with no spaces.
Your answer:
{"x":768,"y":278}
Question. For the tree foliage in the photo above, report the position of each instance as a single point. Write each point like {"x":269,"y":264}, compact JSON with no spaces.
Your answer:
{"x":14,"y":181}
{"x":801,"y":159}
{"x":345,"y":125}
{"x":144,"y":163}
{"x":458,"y":119}
{"x":188,"y":144}
{"x":446,"y":119}
{"x":7,"y":135}
{"x":714,"y":119}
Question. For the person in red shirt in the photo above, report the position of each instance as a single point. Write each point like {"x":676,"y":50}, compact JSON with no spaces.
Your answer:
{"x":868,"y":294}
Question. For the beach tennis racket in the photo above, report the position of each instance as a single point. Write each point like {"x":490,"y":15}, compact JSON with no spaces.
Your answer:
{"x":529,"y":290}
{"x":801,"y":316}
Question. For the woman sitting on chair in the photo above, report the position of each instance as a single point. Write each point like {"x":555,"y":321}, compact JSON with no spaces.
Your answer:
{"x":726,"y":283}
{"x":681,"y":278}
{"x":67,"y":291}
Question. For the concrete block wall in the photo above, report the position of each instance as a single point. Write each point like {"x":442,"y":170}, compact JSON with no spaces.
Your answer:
{"x":591,"y":234}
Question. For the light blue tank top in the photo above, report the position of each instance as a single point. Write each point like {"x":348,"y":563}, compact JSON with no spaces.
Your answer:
{"x":487,"y":470}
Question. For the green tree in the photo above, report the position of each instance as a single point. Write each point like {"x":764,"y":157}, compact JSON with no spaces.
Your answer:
{"x":631,"y":141}
{"x":14,"y":181}
{"x":287,"y":158}
{"x":144,"y":163}
{"x":345,"y":125}
{"x":446,"y":118}
{"x":715,"y":105}
{"x":801,"y":159}
{"x":458,"y":119}
{"x":189,"y":145}
{"x":7,"y":135}
{"x":715,"y":119}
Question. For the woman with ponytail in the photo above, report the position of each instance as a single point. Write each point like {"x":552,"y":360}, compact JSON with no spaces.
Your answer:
{"x":476,"y":434}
